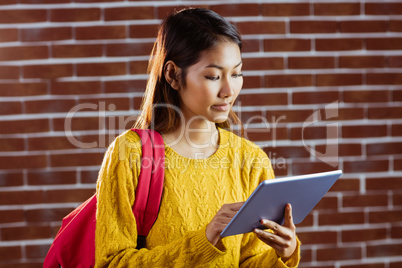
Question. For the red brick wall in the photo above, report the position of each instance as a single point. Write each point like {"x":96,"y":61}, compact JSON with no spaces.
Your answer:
{"x":317,"y":74}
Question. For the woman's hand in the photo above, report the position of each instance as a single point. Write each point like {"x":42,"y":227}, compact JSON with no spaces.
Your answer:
{"x":283,"y":237}
{"x":220,"y":220}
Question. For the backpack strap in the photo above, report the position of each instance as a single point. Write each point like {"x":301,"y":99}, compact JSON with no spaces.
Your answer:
{"x":150,"y":182}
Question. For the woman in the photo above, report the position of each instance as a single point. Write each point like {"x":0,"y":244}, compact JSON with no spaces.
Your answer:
{"x":195,"y":77}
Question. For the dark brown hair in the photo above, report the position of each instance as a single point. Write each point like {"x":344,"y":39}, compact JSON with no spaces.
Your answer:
{"x":181,"y":38}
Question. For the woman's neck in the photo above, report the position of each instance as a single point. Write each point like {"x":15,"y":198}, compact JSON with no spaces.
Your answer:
{"x":195,"y":140}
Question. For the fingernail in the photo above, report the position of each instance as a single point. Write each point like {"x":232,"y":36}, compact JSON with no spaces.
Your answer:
{"x":264,"y":221}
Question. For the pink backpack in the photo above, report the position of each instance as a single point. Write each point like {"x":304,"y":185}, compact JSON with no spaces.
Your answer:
{"x":74,"y":244}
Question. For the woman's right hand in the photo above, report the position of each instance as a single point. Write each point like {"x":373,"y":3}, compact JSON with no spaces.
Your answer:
{"x":220,"y":220}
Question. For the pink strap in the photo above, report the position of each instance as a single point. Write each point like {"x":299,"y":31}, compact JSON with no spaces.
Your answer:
{"x":150,"y":182}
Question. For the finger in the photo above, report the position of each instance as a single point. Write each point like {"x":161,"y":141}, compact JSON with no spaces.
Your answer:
{"x":271,"y":239}
{"x":288,"y":221}
{"x":276,"y":228}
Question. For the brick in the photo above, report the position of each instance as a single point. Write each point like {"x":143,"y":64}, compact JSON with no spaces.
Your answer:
{"x":132,"y":49}
{"x":50,"y":143}
{"x":138,"y":67}
{"x":8,"y":2}
{"x":362,"y":61}
{"x":344,"y":253}
{"x":311,"y":62}
{"x":340,"y":218}
{"x":10,"y":253}
{"x":8,"y":35}
{"x":306,"y":256}
{"x":346,"y":185}
{"x":339,"y":79}
{"x":397,"y":199}
{"x":366,"y":265}
{"x":300,"y":167}
{"x":89,"y":176}
{"x":382,"y":250}
{"x":77,"y":123}
{"x":261,"y":27}
{"x":75,"y":14}
{"x":101,"y":32}
{"x":11,"y":179}
{"x":49,"y":106}
{"x":388,"y":148}
{"x":51,"y":177}
{"x":291,"y":80}
{"x":75,"y":87}
{"x":129,"y":13}
{"x":318,"y":237}
{"x":270,"y":133}
{"x":8,"y":108}
{"x":313,"y":97}
{"x":43,"y":1}
{"x":286,"y":10}
{"x":12,"y":144}
{"x":23,"y":15}
{"x":366,"y":200}
{"x":108,"y":104}
{"x":237,"y":10}
{"x":143,"y":31}
{"x":308,"y":133}
{"x":22,"y":89}
{"x":25,"y":233}
{"x":384,"y":43}
{"x":36,"y":251}
{"x":365,"y":166}
{"x":9,"y":72}
{"x":363,"y":26}
{"x":396,"y":130}
{"x":283,"y":116}
{"x":21,"y":197}
{"x":24,"y":126}
{"x":327,"y":203}
{"x":396,"y":231}
{"x":381,"y":183}
{"x":398,"y":164}
{"x":46,"y":34}
{"x":339,"y":44}
{"x":23,"y":53}
{"x":395,"y":264}
{"x":69,"y":196}
{"x":19,"y":162}
{"x":313,"y":26}
{"x":263,"y":99}
{"x":383,"y":8}
{"x":336,"y":9}
{"x":348,"y":114}
{"x":364,"y":131}
{"x":395,"y":26}
{"x":125,"y":86}
{"x":290,"y":44}
{"x":287,"y":152}
{"x":365,"y":96}
{"x":260,"y":63}
{"x":48,"y":71}
{"x":101,"y":69}
{"x":9,"y":216}
{"x":46,"y":215}
{"x":251,"y":45}
{"x":386,"y":216}
{"x":385,"y":113}
{"x":76,"y":159}
{"x":395,"y":61}
{"x":384,"y":78}
{"x":397,"y":95}
{"x":343,"y":149}
{"x":77,"y":51}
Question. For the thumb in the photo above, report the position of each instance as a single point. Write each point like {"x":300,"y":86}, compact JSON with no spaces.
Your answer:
{"x":288,"y":218}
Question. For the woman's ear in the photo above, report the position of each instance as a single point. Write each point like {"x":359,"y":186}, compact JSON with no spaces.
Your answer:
{"x":172,"y":73}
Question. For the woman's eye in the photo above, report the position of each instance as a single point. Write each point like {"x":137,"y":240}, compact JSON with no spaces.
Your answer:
{"x":237,"y":75}
{"x":213,"y":78}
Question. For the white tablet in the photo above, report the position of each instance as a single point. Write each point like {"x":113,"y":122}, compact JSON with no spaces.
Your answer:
{"x":268,"y":201}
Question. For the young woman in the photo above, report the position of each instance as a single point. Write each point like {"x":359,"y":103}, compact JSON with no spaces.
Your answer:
{"x":195,"y":77}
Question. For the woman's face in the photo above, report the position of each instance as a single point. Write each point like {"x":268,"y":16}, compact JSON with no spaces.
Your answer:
{"x":212,"y":84}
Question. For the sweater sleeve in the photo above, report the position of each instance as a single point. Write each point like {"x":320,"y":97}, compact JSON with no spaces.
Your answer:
{"x":116,"y":231}
{"x":254,"y":252}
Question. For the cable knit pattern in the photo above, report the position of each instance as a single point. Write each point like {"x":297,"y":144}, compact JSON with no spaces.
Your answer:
{"x":194,"y":190}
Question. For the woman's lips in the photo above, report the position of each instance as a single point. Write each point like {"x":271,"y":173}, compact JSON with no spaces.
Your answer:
{"x":221,"y":107}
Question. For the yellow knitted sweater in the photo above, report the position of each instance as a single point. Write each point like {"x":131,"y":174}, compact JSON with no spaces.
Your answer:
{"x":194,"y":190}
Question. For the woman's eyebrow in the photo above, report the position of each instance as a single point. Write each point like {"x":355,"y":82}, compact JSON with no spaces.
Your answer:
{"x":220,"y":67}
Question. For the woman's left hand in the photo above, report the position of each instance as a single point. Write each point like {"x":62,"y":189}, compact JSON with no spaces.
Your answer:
{"x":283,"y":237}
